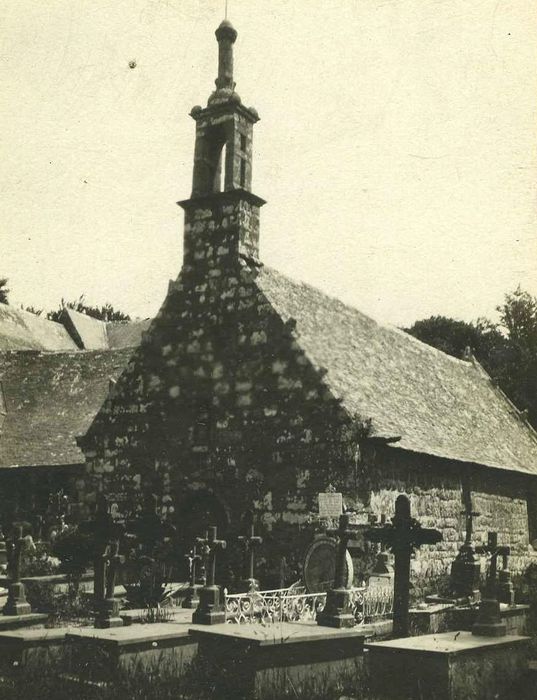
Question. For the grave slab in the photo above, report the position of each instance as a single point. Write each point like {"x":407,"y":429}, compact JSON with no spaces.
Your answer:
{"x":448,"y":666}
{"x":275,"y":659}
{"x":142,"y":615}
{"x":13,"y":622}
{"x":30,"y":648}
{"x":97,"y":655}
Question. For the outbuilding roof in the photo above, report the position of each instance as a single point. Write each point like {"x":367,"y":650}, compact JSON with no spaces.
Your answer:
{"x":435,"y":403}
{"x":49,"y":399}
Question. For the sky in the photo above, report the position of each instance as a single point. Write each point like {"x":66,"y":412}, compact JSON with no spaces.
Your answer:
{"x":396,"y":147}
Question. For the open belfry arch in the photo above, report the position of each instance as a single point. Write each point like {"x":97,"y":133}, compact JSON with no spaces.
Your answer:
{"x":224,"y":130}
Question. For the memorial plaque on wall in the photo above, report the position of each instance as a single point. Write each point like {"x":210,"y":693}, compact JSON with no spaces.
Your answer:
{"x":330,"y":505}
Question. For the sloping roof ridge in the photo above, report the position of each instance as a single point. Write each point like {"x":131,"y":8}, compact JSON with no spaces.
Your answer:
{"x":501,"y":393}
{"x":386,"y":326}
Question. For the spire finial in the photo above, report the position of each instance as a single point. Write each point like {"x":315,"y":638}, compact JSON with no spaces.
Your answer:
{"x":226,"y":35}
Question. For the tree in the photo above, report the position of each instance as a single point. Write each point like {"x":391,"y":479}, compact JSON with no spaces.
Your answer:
{"x":453,"y":337}
{"x":4,"y":291}
{"x":106,"y":312}
{"x":507,"y":350}
{"x":517,"y":374}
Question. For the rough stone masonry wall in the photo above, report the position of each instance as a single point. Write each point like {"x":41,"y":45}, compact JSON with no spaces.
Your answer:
{"x":438,"y":490}
{"x":220,"y":400}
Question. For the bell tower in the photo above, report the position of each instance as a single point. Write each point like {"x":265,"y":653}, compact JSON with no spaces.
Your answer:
{"x":222,"y":214}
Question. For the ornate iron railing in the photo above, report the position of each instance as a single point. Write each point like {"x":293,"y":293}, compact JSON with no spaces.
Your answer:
{"x":295,"y":605}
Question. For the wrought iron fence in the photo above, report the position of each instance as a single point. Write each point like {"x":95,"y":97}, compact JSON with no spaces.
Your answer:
{"x":296,"y":605}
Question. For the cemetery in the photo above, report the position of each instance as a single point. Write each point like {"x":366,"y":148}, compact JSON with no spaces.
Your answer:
{"x":138,"y":615}
{"x":270,"y":496}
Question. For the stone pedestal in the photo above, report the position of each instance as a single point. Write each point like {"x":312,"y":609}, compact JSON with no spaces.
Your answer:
{"x":337,"y":610}
{"x":192,"y":599}
{"x":489,"y":622}
{"x":450,"y":666}
{"x":108,"y":615}
{"x":16,"y":600}
{"x":210,"y":610}
{"x":505,"y":590}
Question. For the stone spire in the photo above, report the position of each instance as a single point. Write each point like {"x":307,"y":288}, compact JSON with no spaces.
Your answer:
{"x":226,"y":36}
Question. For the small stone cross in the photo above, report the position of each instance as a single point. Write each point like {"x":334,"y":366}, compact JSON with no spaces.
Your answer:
{"x":112,"y":561}
{"x":469,"y":517}
{"x":344,"y":532}
{"x":191,"y":598}
{"x":15,"y":547}
{"x":250,"y":542}
{"x":495,"y":550}
{"x":193,"y":558}
{"x":210,"y":610}
{"x":402,"y":536}
{"x":489,"y":622}
{"x":210,"y":544}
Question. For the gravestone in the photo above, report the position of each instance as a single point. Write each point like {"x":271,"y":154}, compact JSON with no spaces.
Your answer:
{"x":250,"y":542}
{"x":489,"y":622}
{"x":402,"y":536}
{"x":210,"y":610}
{"x":319,"y":566}
{"x":338,"y":610}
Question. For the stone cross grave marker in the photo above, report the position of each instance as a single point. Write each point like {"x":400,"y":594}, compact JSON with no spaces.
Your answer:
{"x":489,"y":622}
{"x":250,"y":541}
{"x":338,"y":608}
{"x":106,"y":534}
{"x":16,"y":545}
{"x":465,"y":569}
{"x":153,"y":538}
{"x":402,"y":536}
{"x":192,"y":600}
{"x":210,"y":610}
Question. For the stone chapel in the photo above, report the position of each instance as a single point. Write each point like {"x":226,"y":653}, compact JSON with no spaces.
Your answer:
{"x":253,"y":391}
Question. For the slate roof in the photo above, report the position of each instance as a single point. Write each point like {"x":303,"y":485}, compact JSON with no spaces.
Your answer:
{"x":22,"y":330}
{"x":50,"y":398}
{"x":126,"y":335}
{"x":437,"y":404}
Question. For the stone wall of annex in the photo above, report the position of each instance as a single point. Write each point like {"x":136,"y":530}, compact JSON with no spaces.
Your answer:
{"x":439,"y":491}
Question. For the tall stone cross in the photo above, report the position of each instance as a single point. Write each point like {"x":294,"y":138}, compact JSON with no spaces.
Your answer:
{"x":16,"y":603}
{"x":250,"y":541}
{"x":106,"y":534}
{"x":210,"y":610}
{"x":465,"y":569}
{"x":488,"y":622}
{"x":338,"y":608}
{"x":191,"y":600}
{"x":402,"y":537}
